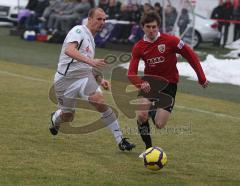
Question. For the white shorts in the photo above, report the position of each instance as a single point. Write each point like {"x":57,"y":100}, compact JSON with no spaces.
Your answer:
{"x":69,"y":90}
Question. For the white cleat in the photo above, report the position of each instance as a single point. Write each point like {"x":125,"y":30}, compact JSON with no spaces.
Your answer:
{"x":141,"y":155}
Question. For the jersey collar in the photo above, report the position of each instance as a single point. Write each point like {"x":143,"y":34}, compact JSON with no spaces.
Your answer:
{"x":88,"y":31}
{"x":90,"y":35}
{"x":145,"y":38}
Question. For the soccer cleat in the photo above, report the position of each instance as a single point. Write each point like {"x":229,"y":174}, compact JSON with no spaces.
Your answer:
{"x":52,"y":127}
{"x":125,"y":145}
{"x":141,"y":155}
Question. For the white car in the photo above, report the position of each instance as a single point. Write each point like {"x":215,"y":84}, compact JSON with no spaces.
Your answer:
{"x":9,"y":9}
{"x":205,"y":30}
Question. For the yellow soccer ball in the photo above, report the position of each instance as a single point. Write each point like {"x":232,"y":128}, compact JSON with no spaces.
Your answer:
{"x":154,"y":158}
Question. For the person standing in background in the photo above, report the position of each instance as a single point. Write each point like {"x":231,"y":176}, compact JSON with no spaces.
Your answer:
{"x":227,"y":16}
{"x":236,"y":17}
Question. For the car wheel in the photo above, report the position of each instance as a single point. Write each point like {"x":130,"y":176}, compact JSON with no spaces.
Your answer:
{"x":196,"y":39}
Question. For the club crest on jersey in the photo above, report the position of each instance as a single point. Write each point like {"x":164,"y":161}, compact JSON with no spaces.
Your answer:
{"x":162,"y":48}
{"x":78,"y":31}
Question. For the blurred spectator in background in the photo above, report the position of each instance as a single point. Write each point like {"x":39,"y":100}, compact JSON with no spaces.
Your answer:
{"x":158,"y":8}
{"x":183,"y":21}
{"x":23,"y":14}
{"x":32,"y":5}
{"x":147,"y":7}
{"x":79,"y":11}
{"x":227,"y":15}
{"x":170,"y":17}
{"x":54,"y":7}
{"x":121,"y":30}
{"x":136,"y":14}
{"x":136,"y":31}
{"x":104,"y":4}
{"x":236,"y":16}
{"x":114,"y":9}
{"x":92,"y":3}
{"x":217,"y":13}
{"x":37,"y":11}
{"x":66,"y":8}
{"x":28,"y":17}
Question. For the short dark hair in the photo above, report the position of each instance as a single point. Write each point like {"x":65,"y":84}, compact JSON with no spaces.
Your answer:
{"x":92,"y":11}
{"x":150,"y":17}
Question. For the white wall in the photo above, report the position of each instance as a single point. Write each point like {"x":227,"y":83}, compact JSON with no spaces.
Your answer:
{"x":203,"y":7}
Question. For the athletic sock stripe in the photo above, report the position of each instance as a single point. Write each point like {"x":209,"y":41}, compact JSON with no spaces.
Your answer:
{"x":107,"y":115}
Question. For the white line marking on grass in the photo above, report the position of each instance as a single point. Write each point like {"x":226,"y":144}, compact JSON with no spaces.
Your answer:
{"x":177,"y":106}
{"x":23,"y":76}
{"x":207,"y":112}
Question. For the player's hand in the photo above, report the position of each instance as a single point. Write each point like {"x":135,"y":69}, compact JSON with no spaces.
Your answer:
{"x":105,"y":84}
{"x":205,"y":85}
{"x":145,"y":87}
{"x":98,"y":63}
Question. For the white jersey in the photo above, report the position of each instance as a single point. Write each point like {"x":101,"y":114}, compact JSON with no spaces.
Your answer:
{"x":70,"y":67}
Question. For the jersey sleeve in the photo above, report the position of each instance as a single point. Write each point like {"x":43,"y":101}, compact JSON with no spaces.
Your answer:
{"x":133,"y":67}
{"x":191,"y":57}
{"x":75,"y":35}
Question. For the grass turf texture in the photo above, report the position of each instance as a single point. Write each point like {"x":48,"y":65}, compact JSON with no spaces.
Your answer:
{"x":205,"y":151}
{"x":201,"y":144}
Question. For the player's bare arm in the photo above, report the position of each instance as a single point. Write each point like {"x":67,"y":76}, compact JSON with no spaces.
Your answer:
{"x":100,"y":79}
{"x":105,"y":84}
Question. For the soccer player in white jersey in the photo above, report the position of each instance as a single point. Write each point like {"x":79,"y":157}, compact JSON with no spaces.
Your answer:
{"x":75,"y":78}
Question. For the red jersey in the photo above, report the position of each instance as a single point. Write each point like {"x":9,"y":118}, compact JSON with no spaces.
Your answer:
{"x":160,"y":59}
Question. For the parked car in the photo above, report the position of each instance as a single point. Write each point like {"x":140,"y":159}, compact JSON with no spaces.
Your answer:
{"x":9,"y":9}
{"x":205,"y":30}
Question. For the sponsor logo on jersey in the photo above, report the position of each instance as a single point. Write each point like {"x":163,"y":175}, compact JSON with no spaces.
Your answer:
{"x":162,"y":48}
{"x":156,"y":60}
{"x":87,"y":49}
{"x":180,"y":44}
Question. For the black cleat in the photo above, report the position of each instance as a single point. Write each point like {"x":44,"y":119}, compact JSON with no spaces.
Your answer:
{"x":125,"y":145}
{"x":52,"y":127}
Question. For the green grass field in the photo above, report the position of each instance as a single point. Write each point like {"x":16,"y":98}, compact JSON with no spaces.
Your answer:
{"x":201,"y":139}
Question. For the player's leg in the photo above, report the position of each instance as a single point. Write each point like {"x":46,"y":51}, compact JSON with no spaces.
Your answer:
{"x":66,"y":91}
{"x":58,"y":117}
{"x":161,"y":118}
{"x":142,"y":121}
{"x":163,"y":114}
{"x":110,"y":120}
{"x":93,"y":93}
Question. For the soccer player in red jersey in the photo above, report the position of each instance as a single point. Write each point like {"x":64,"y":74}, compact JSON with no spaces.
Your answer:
{"x":159,"y":85}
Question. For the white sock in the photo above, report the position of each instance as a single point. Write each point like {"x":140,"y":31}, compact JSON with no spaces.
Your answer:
{"x":109,"y":118}
{"x":56,"y":117}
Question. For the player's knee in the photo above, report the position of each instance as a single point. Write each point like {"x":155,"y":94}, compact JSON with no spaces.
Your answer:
{"x":142,"y":117}
{"x":67,"y":117}
{"x":160,"y":124}
{"x":97,"y":99}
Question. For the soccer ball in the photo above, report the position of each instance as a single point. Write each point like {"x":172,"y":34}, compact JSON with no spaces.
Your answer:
{"x":154,"y":158}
